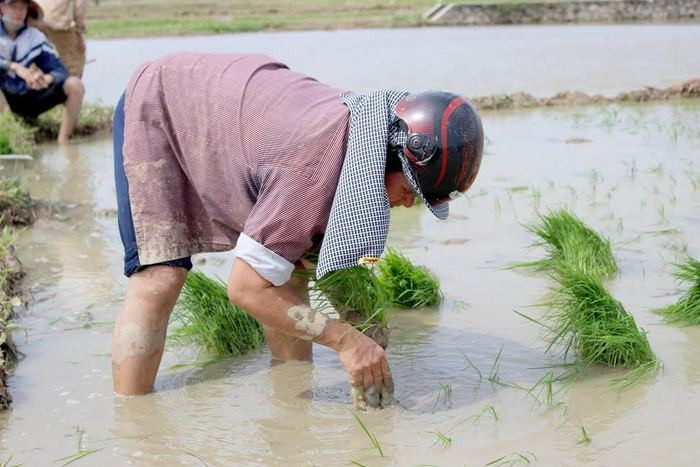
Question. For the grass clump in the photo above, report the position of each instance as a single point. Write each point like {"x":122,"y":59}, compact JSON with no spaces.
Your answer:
{"x":93,"y":118}
{"x":587,"y":320}
{"x":15,"y":136}
{"x":15,"y":203}
{"x":407,"y":285}
{"x":686,"y":311}
{"x":569,"y":240}
{"x":207,"y":316}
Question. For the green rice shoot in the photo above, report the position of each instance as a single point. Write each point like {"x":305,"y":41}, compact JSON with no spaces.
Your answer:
{"x":357,"y":295}
{"x":407,"y":285}
{"x":567,"y":239}
{"x":686,"y":311}
{"x":207,"y":316}
{"x":587,"y":321}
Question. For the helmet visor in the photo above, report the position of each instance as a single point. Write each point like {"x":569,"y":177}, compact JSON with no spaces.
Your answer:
{"x":439,"y":208}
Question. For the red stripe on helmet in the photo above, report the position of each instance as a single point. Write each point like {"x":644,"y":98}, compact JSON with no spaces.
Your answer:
{"x":456,"y":102}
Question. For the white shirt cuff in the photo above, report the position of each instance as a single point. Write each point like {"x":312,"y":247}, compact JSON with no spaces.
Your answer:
{"x":266,"y":262}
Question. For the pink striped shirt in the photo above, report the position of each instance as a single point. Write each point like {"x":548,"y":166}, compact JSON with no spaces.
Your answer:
{"x":222,"y":146}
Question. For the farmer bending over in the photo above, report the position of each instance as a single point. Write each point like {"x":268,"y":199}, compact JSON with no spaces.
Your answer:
{"x":32,"y":78}
{"x":220,"y":151}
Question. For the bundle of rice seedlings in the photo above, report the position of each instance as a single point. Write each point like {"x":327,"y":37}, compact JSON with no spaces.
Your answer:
{"x":569,"y":240}
{"x":357,"y":295}
{"x":407,"y":285}
{"x":687,"y":310}
{"x":207,"y":316}
{"x":587,"y":320}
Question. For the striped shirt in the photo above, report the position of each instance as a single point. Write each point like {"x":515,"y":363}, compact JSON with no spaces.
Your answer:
{"x":225,"y":150}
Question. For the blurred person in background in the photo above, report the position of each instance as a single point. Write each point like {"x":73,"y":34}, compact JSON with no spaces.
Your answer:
{"x":64,"y":25}
{"x":32,"y":77}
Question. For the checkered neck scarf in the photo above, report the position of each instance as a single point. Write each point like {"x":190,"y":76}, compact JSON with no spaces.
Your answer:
{"x":359,"y":218}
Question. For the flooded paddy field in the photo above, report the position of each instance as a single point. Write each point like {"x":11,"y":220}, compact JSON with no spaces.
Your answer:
{"x":474,"y":61}
{"x":632,"y":172}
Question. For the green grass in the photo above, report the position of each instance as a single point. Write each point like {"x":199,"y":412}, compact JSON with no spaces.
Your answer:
{"x":94,"y":117}
{"x":587,"y":321}
{"x":206,"y":315}
{"x":686,"y":311}
{"x":18,"y":136}
{"x":15,"y":203}
{"x":567,"y":239}
{"x":15,"y":136}
{"x":119,"y":18}
{"x":407,"y":285}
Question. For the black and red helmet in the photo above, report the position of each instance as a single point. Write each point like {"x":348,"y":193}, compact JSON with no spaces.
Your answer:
{"x":444,"y":143}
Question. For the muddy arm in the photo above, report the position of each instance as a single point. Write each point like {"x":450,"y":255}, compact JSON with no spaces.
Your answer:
{"x":282,"y":309}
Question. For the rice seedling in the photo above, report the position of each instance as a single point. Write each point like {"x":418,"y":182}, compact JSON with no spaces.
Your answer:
{"x":470,"y":364}
{"x":196,"y":457}
{"x":493,"y":374}
{"x":444,"y":395}
{"x":567,"y":239}
{"x":686,"y":311}
{"x":206,"y":315}
{"x":358,"y":296}
{"x":544,"y":386}
{"x":663,"y":218}
{"x":536,"y":198}
{"x":585,"y":439}
{"x":489,"y":410}
{"x":631,"y":169}
{"x":514,"y":458}
{"x":81,"y":452}
{"x":497,"y":205}
{"x":585,"y":319}
{"x":442,"y":438}
{"x":372,"y":438}
{"x":7,"y":463}
{"x":407,"y":285}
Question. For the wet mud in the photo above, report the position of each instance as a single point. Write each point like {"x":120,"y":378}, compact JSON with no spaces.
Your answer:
{"x":689,"y":89}
{"x":17,"y":209}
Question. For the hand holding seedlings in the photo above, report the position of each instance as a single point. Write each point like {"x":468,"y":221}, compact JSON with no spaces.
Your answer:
{"x":371,"y":383}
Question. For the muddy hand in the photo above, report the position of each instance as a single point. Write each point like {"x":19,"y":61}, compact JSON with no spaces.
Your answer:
{"x":366,"y":363}
{"x":373,"y":397}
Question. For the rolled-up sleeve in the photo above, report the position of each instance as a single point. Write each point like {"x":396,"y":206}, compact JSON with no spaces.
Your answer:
{"x":288,"y":220}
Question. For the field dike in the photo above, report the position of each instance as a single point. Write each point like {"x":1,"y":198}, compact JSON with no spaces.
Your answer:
{"x":16,"y":211}
{"x":689,"y":89}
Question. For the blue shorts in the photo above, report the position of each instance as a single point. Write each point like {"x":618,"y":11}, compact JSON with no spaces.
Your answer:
{"x":126,"y":223}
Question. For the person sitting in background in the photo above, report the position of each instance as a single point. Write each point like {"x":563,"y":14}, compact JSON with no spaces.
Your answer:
{"x":64,"y":25}
{"x":32,"y":78}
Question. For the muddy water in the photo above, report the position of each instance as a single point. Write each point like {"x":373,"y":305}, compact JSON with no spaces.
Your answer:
{"x":475,"y":61}
{"x":633,"y":172}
